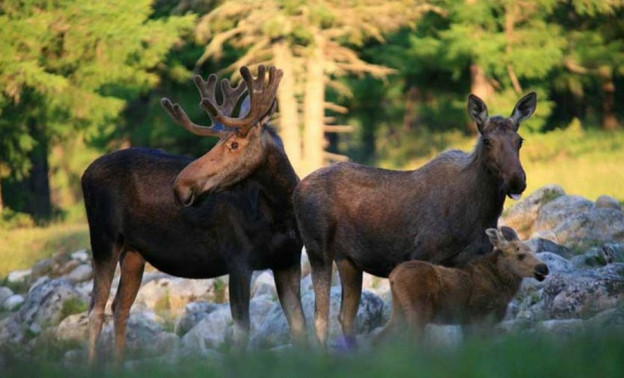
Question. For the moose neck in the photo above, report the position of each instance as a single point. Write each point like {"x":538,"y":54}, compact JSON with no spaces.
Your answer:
{"x":502,"y":276}
{"x":485,"y":186}
{"x":276,"y":176}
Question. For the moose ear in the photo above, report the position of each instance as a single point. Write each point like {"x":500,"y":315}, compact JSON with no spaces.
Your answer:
{"x":477,"y":111}
{"x":524,"y":108}
{"x":496,"y":237}
{"x":509,"y":233}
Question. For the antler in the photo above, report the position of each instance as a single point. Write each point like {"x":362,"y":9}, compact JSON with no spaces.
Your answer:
{"x":207,"y":90}
{"x":231,"y":95}
{"x":178,"y":114}
{"x":262,"y":100}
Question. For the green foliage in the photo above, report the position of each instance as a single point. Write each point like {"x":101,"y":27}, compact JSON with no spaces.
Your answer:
{"x":73,"y":306}
{"x":68,"y":67}
{"x":10,"y":220}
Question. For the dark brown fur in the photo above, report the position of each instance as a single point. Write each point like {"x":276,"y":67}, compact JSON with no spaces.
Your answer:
{"x":243,"y":222}
{"x":479,"y":293}
{"x":369,"y":219}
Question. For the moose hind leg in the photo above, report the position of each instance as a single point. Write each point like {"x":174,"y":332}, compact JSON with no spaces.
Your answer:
{"x":132,"y":266}
{"x":104,"y":270}
{"x":321,"y":281}
{"x":351,"y":280}
{"x":288,"y":284}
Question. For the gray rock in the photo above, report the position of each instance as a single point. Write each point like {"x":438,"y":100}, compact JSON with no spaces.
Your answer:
{"x":594,"y":257}
{"x":11,"y":331}
{"x":142,"y":333}
{"x":173,"y":294}
{"x":75,"y":328}
{"x":611,"y":320}
{"x":274,"y":330}
{"x":48,"y":302}
{"x":555,"y":262}
{"x":539,"y":244}
{"x":578,"y":224}
{"x":263,"y":283}
{"x":42,"y":268}
{"x":210,"y":332}
{"x":616,"y":250}
{"x":306,"y":269}
{"x":523,"y":214}
{"x":607,"y":202}
{"x":13,"y":303}
{"x":446,"y":336}
{"x":590,"y":228}
{"x":562,"y":327}
{"x":19,"y":276}
{"x":194,"y":313}
{"x":5,"y":292}
{"x":81,"y":255}
{"x":584,"y":293}
{"x":82,"y":272}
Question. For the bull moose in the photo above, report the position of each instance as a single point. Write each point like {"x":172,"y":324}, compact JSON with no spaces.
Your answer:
{"x":229,"y":211}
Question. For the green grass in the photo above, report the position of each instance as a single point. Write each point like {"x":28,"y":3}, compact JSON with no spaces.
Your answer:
{"x":586,"y":163}
{"x":511,"y":356}
{"x":21,"y":248}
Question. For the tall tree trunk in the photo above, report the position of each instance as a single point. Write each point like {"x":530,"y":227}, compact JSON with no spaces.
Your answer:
{"x":1,"y":202}
{"x":511,"y":11}
{"x":314,"y":110}
{"x":288,"y":109}
{"x":38,"y":183}
{"x":609,"y":119}
{"x":479,"y":86}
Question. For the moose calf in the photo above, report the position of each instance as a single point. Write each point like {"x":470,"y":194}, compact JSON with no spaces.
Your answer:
{"x":479,"y":293}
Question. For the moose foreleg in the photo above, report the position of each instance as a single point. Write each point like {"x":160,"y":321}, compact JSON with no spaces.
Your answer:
{"x":240,"y":280}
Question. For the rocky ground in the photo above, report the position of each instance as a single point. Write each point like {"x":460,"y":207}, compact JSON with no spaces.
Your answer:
{"x":43,"y":309}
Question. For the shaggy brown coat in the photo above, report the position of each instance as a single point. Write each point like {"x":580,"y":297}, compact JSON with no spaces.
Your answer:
{"x":479,"y":293}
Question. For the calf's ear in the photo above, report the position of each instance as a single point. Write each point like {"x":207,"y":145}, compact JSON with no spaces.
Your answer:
{"x":495,"y":236}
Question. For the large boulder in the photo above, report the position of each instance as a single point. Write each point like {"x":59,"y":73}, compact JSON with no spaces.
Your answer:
{"x":50,"y":301}
{"x":523,"y":214}
{"x":584,"y":293}
{"x":578,"y":224}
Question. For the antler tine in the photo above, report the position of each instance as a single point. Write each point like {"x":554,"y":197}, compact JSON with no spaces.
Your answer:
{"x":231,"y":95}
{"x":207,"y":88}
{"x":262,"y":100}
{"x":179,"y":115}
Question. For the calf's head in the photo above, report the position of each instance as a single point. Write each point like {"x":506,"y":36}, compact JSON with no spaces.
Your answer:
{"x":240,"y":149}
{"x":500,"y":142}
{"x":517,"y":256}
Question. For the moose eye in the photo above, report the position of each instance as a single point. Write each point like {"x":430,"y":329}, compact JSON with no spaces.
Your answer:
{"x":487,"y":143}
{"x":521,"y":256}
{"x":234,"y":145}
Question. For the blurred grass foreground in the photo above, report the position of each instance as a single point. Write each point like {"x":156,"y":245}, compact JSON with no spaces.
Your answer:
{"x":509,"y":356}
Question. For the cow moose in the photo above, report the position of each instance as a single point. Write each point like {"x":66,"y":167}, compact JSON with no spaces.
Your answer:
{"x":370,"y":220}
{"x":228,"y":212}
{"x":476,"y":295}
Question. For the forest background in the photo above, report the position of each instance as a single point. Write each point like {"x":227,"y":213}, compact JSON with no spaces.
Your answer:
{"x":378,"y":82}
